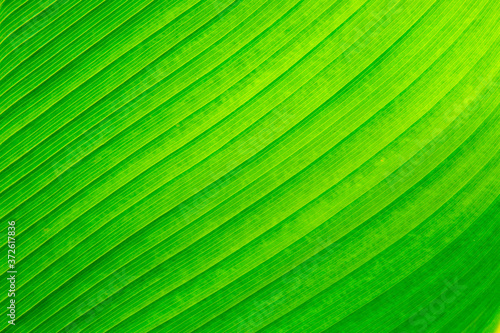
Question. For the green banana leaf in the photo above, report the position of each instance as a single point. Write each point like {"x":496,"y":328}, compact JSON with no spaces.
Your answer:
{"x":250,"y":165}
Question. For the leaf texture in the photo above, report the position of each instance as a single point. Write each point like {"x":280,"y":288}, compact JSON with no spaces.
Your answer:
{"x":252,"y":165}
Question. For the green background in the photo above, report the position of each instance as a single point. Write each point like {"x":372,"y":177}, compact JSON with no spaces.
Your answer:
{"x":246,"y":165}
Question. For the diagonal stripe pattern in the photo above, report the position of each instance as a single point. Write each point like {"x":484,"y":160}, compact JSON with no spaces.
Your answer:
{"x":252,"y":165}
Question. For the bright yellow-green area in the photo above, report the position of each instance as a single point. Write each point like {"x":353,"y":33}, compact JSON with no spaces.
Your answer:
{"x":247,"y":165}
